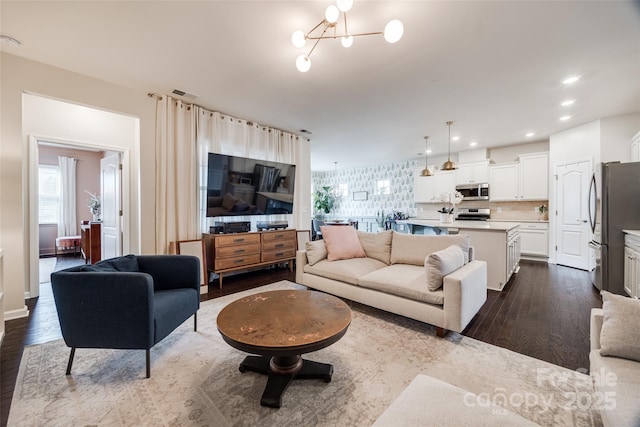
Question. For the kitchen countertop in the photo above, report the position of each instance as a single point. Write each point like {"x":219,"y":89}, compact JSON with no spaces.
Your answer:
{"x":633,"y":232}
{"x":469,"y":225}
{"x":545,"y":221}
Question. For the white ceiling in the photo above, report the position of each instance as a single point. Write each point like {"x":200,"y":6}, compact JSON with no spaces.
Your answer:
{"x":493,"y":67}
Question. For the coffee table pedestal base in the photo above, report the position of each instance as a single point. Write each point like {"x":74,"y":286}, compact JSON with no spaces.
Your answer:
{"x":283,"y":370}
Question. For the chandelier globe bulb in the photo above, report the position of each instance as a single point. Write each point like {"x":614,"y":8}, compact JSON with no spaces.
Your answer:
{"x":393,"y":31}
{"x":303,"y":63}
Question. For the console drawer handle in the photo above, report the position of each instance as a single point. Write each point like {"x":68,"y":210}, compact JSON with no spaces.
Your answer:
{"x":280,"y":254}
{"x":239,"y":251}
{"x":238,"y":261}
{"x":279,"y":245}
{"x":238,"y":240}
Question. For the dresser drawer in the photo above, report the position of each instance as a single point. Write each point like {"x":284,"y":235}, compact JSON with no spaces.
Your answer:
{"x":276,"y":255}
{"x":275,"y":236}
{"x":278,"y":245}
{"x":237,"y":250}
{"x":224,"y":263}
{"x":237,"y":239}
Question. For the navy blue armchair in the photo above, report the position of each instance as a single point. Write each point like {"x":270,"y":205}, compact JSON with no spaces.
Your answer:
{"x":130,"y":302}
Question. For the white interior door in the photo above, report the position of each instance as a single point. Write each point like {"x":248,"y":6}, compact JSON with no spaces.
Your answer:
{"x":111,"y":207}
{"x":572,"y":224}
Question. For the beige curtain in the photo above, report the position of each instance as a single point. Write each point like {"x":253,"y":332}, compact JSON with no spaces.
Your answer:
{"x":176,"y":173}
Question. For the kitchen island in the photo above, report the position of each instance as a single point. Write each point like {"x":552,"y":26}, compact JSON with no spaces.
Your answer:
{"x":497,"y":243}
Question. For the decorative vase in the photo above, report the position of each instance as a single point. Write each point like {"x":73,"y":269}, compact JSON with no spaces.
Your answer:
{"x":96,"y":215}
{"x":446,"y":217}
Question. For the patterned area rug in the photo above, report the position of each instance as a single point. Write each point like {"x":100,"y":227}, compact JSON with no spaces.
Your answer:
{"x":195,"y":379}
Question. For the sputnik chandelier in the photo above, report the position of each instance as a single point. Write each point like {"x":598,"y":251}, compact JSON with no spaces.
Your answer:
{"x":328,"y":29}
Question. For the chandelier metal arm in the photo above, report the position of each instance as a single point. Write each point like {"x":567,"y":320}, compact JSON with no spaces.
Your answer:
{"x":343,"y":35}
{"x":317,"y":39}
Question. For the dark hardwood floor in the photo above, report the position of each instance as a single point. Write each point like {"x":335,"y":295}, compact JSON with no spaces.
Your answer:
{"x":543,"y":312}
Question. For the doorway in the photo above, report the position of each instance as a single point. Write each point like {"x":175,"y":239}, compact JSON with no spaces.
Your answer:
{"x":572,"y":223}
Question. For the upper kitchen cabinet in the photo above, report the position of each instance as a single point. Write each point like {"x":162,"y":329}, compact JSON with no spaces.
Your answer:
{"x":473,"y":173}
{"x":504,"y":182}
{"x":527,"y":179}
{"x":424,"y":187}
{"x":445,"y":182}
{"x":635,"y":148}
{"x":534,"y":176}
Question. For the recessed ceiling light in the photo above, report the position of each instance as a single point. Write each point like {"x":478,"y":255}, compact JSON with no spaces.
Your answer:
{"x":429,"y":151}
{"x":473,"y":143}
{"x":529,"y":134}
{"x":568,"y":102}
{"x":455,"y":138}
{"x":571,"y":79}
{"x":565,"y":118}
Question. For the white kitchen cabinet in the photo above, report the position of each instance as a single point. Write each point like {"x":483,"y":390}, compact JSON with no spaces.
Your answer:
{"x":534,"y":176}
{"x":472,"y":173}
{"x":445,"y":182}
{"x":635,"y":148}
{"x":504,"y":182}
{"x":534,"y":239}
{"x":424,"y":188}
{"x":632,"y":265}
{"x":527,"y":179}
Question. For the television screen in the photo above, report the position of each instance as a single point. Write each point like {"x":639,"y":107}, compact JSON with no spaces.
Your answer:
{"x":239,"y":186}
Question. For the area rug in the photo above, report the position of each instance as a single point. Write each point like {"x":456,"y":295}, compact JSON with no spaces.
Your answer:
{"x":195,"y":379}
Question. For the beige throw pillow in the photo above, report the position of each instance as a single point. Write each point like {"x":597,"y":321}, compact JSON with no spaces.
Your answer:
{"x":316,"y":251}
{"x":377,"y":245}
{"x":341,"y":242}
{"x":441,"y":263}
{"x":414,"y":248}
{"x":620,"y":335}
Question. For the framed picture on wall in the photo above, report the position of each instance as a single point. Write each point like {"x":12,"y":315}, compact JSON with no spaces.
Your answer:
{"x":360,"y":195}
{"x":194,"y":248}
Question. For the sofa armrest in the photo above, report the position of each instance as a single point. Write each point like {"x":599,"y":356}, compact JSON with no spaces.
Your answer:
{"x":597,"y":317}
{"x":172,"y":271}
{"x":465,"y":292}
{"x":301,"y":261}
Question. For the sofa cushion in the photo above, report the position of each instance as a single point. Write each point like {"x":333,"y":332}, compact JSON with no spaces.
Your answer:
{"x":341,"y":242}
{"x":617,"y":338}
{"x":413,"y":248}
{"x":240,"y":206}
{"x":123,"y":263}
{"x":440,"y":263}
{"x":377,"y":245}
{"x":346,"y":270}
{"x":403,"y":280}
{"x":316,"y":251}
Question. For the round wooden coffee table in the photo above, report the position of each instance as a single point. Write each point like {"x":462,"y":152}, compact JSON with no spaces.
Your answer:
{"x":280,"y":326}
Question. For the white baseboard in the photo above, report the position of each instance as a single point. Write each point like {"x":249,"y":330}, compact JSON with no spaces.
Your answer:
{"x":16,"y":314}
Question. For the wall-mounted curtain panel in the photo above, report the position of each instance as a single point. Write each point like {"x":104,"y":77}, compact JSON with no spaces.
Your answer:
{"x":222,"y":134}
{"x":176,"y":173}
{"x":67,"y":224}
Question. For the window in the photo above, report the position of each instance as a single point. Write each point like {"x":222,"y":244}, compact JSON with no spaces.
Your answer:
{"x":48,"y":194}
{"x":383,"y":186}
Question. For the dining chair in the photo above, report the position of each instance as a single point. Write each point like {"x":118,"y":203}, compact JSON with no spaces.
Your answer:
{"x":317,"y":223}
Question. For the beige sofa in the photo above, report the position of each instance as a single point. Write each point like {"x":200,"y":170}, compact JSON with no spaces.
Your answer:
{"x":616,"y":379}
{"x":393,"y":277}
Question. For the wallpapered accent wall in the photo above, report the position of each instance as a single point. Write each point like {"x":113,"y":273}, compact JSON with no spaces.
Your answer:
{"x":400,"y":197}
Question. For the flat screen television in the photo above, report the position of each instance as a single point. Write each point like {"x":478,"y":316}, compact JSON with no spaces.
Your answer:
{"x":238,"y":186}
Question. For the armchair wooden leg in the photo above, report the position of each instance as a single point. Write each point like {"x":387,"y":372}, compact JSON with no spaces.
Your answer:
{"x":440,"y":332}
{"x":73,"y":353}
{"x":195,"y":321}
{"x":148,"y":363}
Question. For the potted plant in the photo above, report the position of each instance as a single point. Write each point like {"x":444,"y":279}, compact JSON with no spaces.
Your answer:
{"x":323,"y":200}
{"x":542,"y":209}
{"x":94,"y":205}
{"x":449,"y":200}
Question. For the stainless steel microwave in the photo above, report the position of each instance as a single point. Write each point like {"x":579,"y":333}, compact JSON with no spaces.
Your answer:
{"x":474,"y":191}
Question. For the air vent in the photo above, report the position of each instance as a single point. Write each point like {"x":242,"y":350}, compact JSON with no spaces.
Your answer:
{"x":184,"y":94}
{"x":308,"y":132}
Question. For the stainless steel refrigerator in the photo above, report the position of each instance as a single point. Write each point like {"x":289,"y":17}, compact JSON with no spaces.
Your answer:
{"x":614,"y":205}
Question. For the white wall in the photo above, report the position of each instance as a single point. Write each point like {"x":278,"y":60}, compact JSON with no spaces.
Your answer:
{"x":19,"y":76}
{"x":615,"y":136}
{"x":510,"y":153}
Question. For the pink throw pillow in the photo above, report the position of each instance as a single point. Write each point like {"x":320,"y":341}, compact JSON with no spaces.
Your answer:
{"x":341,"y":242}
